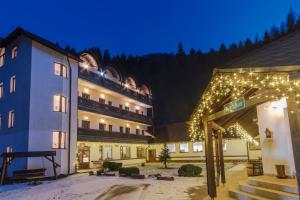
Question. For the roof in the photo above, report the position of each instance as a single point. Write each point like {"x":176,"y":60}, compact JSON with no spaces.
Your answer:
{"x":284,"y":51}
{"x":20,"y":31}
{"x":176,"y":132}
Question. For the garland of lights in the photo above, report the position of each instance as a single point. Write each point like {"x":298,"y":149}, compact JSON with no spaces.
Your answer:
{"x":238,"y":130}
{"x":233,"y":85}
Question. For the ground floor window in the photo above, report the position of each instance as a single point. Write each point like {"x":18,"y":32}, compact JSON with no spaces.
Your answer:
{"x":184,"y":148}
{"x":125,"y":152}
{"x":172,"y":148}
{"x":140,"y":152}
{"x":58,"y":139}
{"x":224,"y":146}
{"x":107,"y":153}
{"x":197,"y":146}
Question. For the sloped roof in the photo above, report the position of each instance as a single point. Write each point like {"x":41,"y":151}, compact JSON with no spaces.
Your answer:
{"x":20,"y":31}
{"x":284,"y":51}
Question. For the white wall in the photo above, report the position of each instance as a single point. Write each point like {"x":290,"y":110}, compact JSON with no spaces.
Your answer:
{"x":278,"y":150}
{"x":43,"y":120}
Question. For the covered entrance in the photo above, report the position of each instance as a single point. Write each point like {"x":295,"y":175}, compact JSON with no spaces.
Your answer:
{"x":251,"y":103}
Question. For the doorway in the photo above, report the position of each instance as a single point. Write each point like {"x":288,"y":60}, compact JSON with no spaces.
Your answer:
{"x":83,"y":157}
{"x":151,"y":155}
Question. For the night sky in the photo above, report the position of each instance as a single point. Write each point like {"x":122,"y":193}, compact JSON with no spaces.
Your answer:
{"x":139,"y":27}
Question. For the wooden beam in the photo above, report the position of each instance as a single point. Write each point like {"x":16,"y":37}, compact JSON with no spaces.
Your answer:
{"x":209,"y":151}
{"x":222,"y":167}
{"x":217,"y":126}
{"x":217,"y":158}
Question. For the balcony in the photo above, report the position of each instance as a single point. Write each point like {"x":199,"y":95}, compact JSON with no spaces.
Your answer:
{"x":97,"y":79}
{"x":101,"y":108}
{"x":98,"y":135}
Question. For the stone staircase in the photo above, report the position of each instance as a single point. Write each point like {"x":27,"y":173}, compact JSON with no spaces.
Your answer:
{"x":266,"y":188}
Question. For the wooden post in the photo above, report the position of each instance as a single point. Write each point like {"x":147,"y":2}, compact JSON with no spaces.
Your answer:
{"x":294,"y":120}
{"x":248,"y":155}
{"x":220,"y":138}
{"x":217,"y":159}
{"x":54,"y":167}
{"x":210,"y":167}
{"x":3,"y":172}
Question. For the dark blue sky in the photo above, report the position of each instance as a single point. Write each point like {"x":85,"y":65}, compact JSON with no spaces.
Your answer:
{"x":140,"y":26}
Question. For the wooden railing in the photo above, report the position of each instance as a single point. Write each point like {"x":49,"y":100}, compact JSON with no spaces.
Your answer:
{"x":113,"y":111}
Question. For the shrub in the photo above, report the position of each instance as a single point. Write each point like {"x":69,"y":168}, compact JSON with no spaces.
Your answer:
{"x":99,"y":172}
{"x":91,"y":173}
{"x":189,"y":170}
{"x":112,"y":166}
{"x":128,"y":171}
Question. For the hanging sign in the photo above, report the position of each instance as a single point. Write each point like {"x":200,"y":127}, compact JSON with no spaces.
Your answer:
{"x":235,"y":105}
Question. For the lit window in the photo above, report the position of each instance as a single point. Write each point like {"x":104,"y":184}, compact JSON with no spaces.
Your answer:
{"x":59,"y":103}
{"x":125,"y":152}
{"x":107,"y":152}
{"x":140,"y":152}
{"x":2,"y":52}
{"x":184,"y":148}
{"x":197,"y":147}
{"x":58,"y":139}
{"x":172,"y":148}
{"x":11,"y":119}
{"x":60,"y":70}
{"x":14,"y":53}
{"x":1,"y":90}
{"x":224,"y":146}
{"x":12,"y":84}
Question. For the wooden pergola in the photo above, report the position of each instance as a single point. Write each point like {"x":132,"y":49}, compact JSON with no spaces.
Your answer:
{"x":8,"y":157}
{"x":214,"y":123}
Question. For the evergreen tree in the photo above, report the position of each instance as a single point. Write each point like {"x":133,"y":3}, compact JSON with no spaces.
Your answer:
{"x":164,"y":156}
{"x":106,"y":57}
{"x":267,"y":38}
{"x":291,"y":21}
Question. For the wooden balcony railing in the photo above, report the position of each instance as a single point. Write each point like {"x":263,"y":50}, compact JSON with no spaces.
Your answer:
{"x":94,"y":78}
{"x":95,"y":106}
{"x":94,"y":135}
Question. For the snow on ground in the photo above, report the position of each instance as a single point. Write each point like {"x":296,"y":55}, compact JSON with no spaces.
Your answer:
{"x":85,"y":187}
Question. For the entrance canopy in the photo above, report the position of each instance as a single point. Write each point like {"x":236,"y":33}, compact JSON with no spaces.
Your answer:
{"x":235,"y":92}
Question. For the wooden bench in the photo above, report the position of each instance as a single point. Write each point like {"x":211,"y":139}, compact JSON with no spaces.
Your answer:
{"x":30,"y":174}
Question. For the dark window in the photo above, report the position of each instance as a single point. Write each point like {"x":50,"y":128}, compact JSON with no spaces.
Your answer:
{"x":121,"y":106}
{"x":109,"y":103}
{"x":140,"y":152}
{"x":86,"y":96}
{"x":110,"y":128}
{"x":125,"y":152}
{"x":101,"y":100}
{"x":121,"y":129}
{"x":127,"y":108}
{"x":137,"y":131}
{"x":143,"y":132}
{"x":137,"y":111}
{"x":101,"y":127}
{"x":142,"y":112}
{"x":127,"y":130}
{"x":85,"y":124}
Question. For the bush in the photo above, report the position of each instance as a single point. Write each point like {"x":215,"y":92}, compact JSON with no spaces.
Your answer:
{"x":128,"y":171}
{"x":189,"y":170}
{"x":112,"y":166}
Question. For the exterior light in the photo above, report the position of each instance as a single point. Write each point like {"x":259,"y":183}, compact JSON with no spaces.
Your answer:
{"x":101,"y":73}
{"x":86,"y":117}
{"x":86,"y":90}
{"x":126,"y":85}
{"x":138,"y":127}
{"x":137,"y":107}
{"x":102,"y":120}
{"x":126,"y":104}
{"x":127,"y":125}
{"x":85,"y":66}
{"x":102,"y":96}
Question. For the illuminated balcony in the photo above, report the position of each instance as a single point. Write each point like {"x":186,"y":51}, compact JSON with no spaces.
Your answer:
{"x":101,"y":108}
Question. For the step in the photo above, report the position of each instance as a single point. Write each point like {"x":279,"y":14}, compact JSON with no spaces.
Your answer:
{"x":274,"y":185}
{"x":267,"y":193}
{"x":240,"y":195}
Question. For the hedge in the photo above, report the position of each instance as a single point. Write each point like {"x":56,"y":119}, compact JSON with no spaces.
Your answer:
{"x":128,"y":171}
{"x":112,"y":166}
{"x":189,"y":170}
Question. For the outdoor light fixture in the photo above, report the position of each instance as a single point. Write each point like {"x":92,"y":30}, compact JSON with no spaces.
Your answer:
{"x":86,"y":117}
{"x":85,"y":66}
{"x":102,"y":120}
{"x":126,"y":104}
{"x":101,"y":73}
{"x":137,"y":126}
{"x":126,"y":85}
{"x":86,"y":90}
{"x":137,"y":107}
{"x":127,"y":125}
{"x":102,"y":96}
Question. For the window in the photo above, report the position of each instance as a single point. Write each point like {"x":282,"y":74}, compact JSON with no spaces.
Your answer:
{"x":86,"y":96}
{"x":85,"y":124}
{"x":197,"y":147}
{"x":140,"y":152}
{"x":127,"y":130}
{"x":127,"y":108}
{"x":125,"y":152}
{"x":2,"y":52}
{"x":172,"y":148}
{"x":121,"y":129}
{"x":110,"y":128}
{"x":137,"y":111}
{"x":14,"y":53}
{"x":224,"y":146}
{"x":11,"y":119}
{"x":59,"y":103}
{"x":12,"y":84}
{"x":60,"y":70}
{"x":184,"y":148}
{"x":1,"y":90}
{"x":143,"y":132}
{"x":58,"y":139}
{"x":137,"y":131}
{"x":101,"y":100}
{"x":120,"y":106}
{"x":109,"y":103}
{"x":107,"y":153}
{"x":102,"y":126}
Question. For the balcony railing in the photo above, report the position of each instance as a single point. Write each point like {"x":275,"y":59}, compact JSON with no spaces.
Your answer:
{"x":95,"y":106}
{"x":95,"y":78}
{"x":99,"y":135}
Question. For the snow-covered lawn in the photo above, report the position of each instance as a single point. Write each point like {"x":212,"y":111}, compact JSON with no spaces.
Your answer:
{"x":85,"y":187}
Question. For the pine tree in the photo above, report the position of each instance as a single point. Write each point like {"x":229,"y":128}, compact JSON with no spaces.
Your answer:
{"x":291,"y":21}
{"x":164,"y":156}
{"x":106,"y":57}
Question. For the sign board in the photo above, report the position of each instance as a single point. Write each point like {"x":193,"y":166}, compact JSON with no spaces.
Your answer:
{"x":234,"y":106}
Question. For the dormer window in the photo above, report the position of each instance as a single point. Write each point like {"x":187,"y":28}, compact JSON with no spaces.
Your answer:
{"x":2,"y":52}
{"x":14,"y":53}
